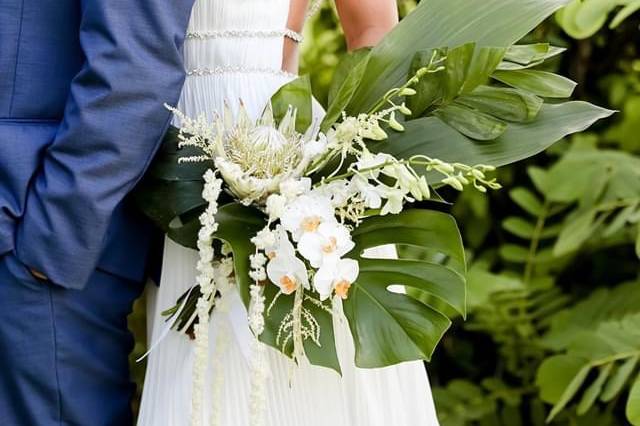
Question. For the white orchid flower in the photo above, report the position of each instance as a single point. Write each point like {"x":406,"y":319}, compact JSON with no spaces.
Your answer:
{"x":285,"y":269}
{"x":330,"y":242}
{"x":275,"y":206}
{"x":370,"y":161}
{"x":291,"y":188}
{"x":339,"y":276}
{"x":371,"y":194}
{"x":395,"y":201}
{"x":338,"y":191}
{"x":305,"y":215}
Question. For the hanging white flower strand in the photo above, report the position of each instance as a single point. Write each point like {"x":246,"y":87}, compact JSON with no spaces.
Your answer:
{"x":206,"y":281}
{"x":225,"y":283}
{"x":258,"y":362}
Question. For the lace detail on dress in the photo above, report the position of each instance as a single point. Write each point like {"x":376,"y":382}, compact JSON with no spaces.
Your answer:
{"x":205,"y":35}
{"x":237,"y":70}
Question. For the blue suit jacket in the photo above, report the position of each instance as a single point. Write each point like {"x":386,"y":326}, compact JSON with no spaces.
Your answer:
{"x":82,"y":88}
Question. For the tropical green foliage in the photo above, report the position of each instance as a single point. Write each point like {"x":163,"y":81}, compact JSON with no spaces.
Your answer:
{"x":552,"y":257}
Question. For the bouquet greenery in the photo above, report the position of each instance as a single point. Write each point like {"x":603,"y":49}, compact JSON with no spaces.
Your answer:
{"x":285,"y":208}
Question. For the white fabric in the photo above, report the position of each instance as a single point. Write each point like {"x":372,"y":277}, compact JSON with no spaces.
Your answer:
{"x":297,"y":396}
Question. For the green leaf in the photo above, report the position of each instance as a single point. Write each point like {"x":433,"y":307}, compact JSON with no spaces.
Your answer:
{"x":347,"y":78}
{"x":519,"y":227}
{"x":296,"y":93}
{"x":482,"y":285}
{"x":575,"y":233}
{"x":591,"y":394}
{"x":624,"y":13}
{"x":445,"y":23}
{"x":540,"y":178}
{"x":484,"y":62}
{"x":526,"y":54}
{"x":633,"y":403}
{"x":527,"y":200}
{"x":503,"y":103}
{"x":514,"y":253}
{"x":430,"y":136}
{"x":457,"y":69}
{"x":235,"y":224}
{"x":471,"y":123}
{"x":619,"y":378}
{"x":559,"y":378}
{"x":541,"y":83}
{"x":568,"y":18}
{"x":389,"y":327}
{"x":465,"y":68}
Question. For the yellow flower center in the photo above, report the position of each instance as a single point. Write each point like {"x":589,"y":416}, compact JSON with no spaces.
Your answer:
{"x":342,"y":288}
{"x":311,"y":223}
{"x":271,"y":255}
{"x":289,"y":284}
{"x":331,"y":246}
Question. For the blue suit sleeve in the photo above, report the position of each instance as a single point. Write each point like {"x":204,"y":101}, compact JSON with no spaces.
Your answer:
{"x":113,"y":123}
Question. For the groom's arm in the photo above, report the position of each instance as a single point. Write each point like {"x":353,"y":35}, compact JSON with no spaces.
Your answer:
{"x":113,"y":122}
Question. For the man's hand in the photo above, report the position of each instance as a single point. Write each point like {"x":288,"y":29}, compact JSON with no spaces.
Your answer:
{"x":39,"y":275}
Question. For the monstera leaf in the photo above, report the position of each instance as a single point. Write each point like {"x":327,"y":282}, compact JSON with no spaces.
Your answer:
{"x":390,"y":327}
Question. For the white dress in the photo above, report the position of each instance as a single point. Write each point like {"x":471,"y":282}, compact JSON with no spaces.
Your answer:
{"x":234,"y":51}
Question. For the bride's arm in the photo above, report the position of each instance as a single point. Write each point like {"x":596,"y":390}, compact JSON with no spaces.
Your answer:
{"x":365,"y":23}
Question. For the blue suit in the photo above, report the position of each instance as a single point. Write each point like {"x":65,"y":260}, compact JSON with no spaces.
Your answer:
{"x":82,"y":88}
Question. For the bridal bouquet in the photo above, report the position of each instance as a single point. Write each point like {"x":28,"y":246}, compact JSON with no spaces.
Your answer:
{"x":284,"y":208}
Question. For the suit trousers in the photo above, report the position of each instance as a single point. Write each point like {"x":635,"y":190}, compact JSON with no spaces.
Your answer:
{"x":64,"y":353}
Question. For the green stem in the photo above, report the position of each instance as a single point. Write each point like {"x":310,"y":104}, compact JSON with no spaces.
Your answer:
{"x":535,"y":243}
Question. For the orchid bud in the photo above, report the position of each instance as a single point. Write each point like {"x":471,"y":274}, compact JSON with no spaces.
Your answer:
{"x":453,"y":182}
{"x":407,"y":91}
{"x":424,"y":187}
{"x":404,"y":110}
{"x":394,"y":124}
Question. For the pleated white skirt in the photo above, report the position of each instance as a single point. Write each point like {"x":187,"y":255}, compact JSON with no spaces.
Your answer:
{"x":296,"y":395}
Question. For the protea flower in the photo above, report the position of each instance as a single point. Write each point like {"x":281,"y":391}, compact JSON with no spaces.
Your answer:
{"x":254,"y":158}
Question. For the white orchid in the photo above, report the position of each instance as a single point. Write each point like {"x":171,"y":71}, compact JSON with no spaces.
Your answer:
{"x":371,"y":194}
{"x":275,"y":206}
{"x":330,"y":242}
{"x":285,"y":269}
{"x":305,"y":215}
{"x":291,"y":188}
{"x":371,"y":161}
{"x":339,"y":276}
{"x":395,"y":201}
{"x":338,"y":191}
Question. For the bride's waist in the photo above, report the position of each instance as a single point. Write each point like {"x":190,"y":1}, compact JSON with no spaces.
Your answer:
{"x":233,"y":54}
{"x":207,"y":93}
